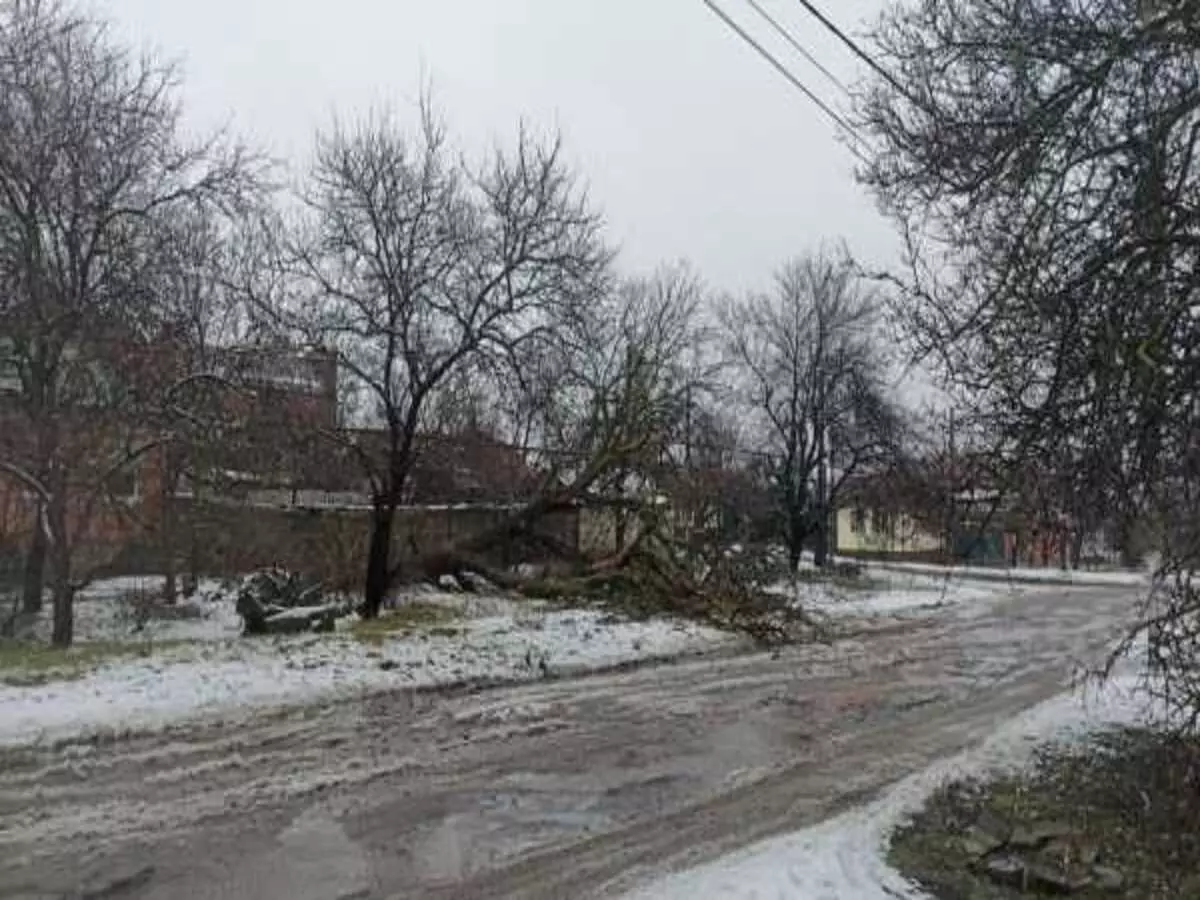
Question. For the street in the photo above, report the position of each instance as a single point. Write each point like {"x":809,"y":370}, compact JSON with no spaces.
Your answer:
{"x":572,"y":788}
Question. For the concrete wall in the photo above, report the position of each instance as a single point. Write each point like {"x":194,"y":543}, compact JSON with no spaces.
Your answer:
{"x":331,"y":544}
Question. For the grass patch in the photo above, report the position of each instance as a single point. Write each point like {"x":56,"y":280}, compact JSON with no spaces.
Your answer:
{"x":406,"y":620}
{"x":1118,"y":817}
{"x":25,"y":663}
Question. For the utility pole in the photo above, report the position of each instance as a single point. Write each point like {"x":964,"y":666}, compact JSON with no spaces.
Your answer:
{"x":690,"y":492}
{"x":687,"y":427}
{"x":823,"y":458}
{"x":821,"y":551}
{"x":951,"y":473}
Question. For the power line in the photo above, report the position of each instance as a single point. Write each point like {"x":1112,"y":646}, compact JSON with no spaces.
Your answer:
{"x":855,"y":49}
{"x":783,"y":70}
{"x":787,"y":36}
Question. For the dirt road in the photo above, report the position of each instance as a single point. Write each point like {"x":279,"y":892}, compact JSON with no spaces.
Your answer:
{"x":560,"y":789}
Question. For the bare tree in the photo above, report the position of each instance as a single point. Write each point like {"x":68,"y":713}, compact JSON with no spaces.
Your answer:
{"x":605,"y":405}
{"x":812,"y":373}
{"x":599,"y":399}
{"x":1042,"y":163}
{"x":414,"y":265}
{"x":709,"y":479}
{"x":92,"y":170}
{"x":197,"y":253}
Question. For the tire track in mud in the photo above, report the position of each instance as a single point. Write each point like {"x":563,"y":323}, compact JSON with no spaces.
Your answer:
{"x":847,"y":773}
{"x":562,"y":788}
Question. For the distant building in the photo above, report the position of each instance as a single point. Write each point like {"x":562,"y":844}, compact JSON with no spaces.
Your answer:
{"x":953,"y":514}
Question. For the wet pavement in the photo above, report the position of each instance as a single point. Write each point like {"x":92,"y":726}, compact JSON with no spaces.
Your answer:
{"x":570,"y":788}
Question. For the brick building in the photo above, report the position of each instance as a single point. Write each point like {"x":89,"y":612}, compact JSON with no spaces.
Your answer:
{"x":265,"y":444}
{"x":112,"y":428}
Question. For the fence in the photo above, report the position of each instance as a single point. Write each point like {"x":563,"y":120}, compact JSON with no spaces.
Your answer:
{"x":324,"y":538}
{"x":331,"y":543}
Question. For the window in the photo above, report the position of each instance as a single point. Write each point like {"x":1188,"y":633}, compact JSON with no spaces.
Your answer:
{"x":288,"y":372}
{"x":124,"y":484}
{"x":858,"y":520}
{"x":883,"y":523}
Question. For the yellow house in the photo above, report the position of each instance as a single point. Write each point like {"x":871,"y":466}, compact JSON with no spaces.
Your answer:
{"x":862,"y":530}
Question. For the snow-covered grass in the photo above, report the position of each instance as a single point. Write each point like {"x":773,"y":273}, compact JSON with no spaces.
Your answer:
{"x":904,"y":589}
{"x":1018,"y":575}
{"x":109,"y":612}
{"x":884,"y":594}
{"x":844,"y":857}
{"x":204,"y":670}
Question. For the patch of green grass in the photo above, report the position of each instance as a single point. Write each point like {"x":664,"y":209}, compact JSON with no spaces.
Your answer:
{"x":563,"y":593}
{"x":405,"y":620}
{"x":28,"y":663}
{"x":1127,"y":801}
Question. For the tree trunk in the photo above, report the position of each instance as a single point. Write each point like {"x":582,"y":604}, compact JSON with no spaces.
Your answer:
{"x":794,"y":551}
{"x":166,"y":538}
{"x":1126,"y":541}
{"x":64,"y":610}
{"x":821,"y":542}
{"x":35,"y":570}
{"x":191,"y":578}
{"x":797,"y":533}
{"x":379,"y":570}
{"x":60,"y":573}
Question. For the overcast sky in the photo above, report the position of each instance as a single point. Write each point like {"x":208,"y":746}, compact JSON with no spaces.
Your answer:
{"x":691,"y":144}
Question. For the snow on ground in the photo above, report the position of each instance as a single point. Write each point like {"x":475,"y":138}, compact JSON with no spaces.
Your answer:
{"x":1013,"y":574}
{"x":902,"y":589}
{"x":844,"y":857}
{"x":106,"y":612}
{"x":1081,"y":577}
{"x":214,"y":677}
{"x":886,"y":594}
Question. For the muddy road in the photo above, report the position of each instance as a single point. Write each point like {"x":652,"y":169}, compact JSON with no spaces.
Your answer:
{"x":561,"y":789}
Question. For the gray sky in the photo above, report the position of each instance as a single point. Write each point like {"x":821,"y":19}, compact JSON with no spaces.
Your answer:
{"x":691,"y":144}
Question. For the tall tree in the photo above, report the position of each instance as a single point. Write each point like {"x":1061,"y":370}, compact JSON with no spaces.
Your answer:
{"x":603,"y":397}
{"x":813,"y":375}
{"x":414,"y":265}
{"x":1042,"y":162}
{"x":1042,"y":165}
{"x":93,"y":168}
{"x":596,"y":404}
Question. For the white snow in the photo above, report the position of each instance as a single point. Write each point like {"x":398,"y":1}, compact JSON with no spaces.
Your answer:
{"x":301,"y":613}
{"x":1082,"y":577}
{"x":207,"y":678}
{"x":902,"y":589}
{"x":106,"y":612}
{"x":887,"y":595}
{"x":1018,"y":574}
{"x":843,"y":858}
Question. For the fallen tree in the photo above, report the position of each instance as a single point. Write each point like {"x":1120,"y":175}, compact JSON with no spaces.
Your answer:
{"x":654,"y":574}
{"x":601,"y":406}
